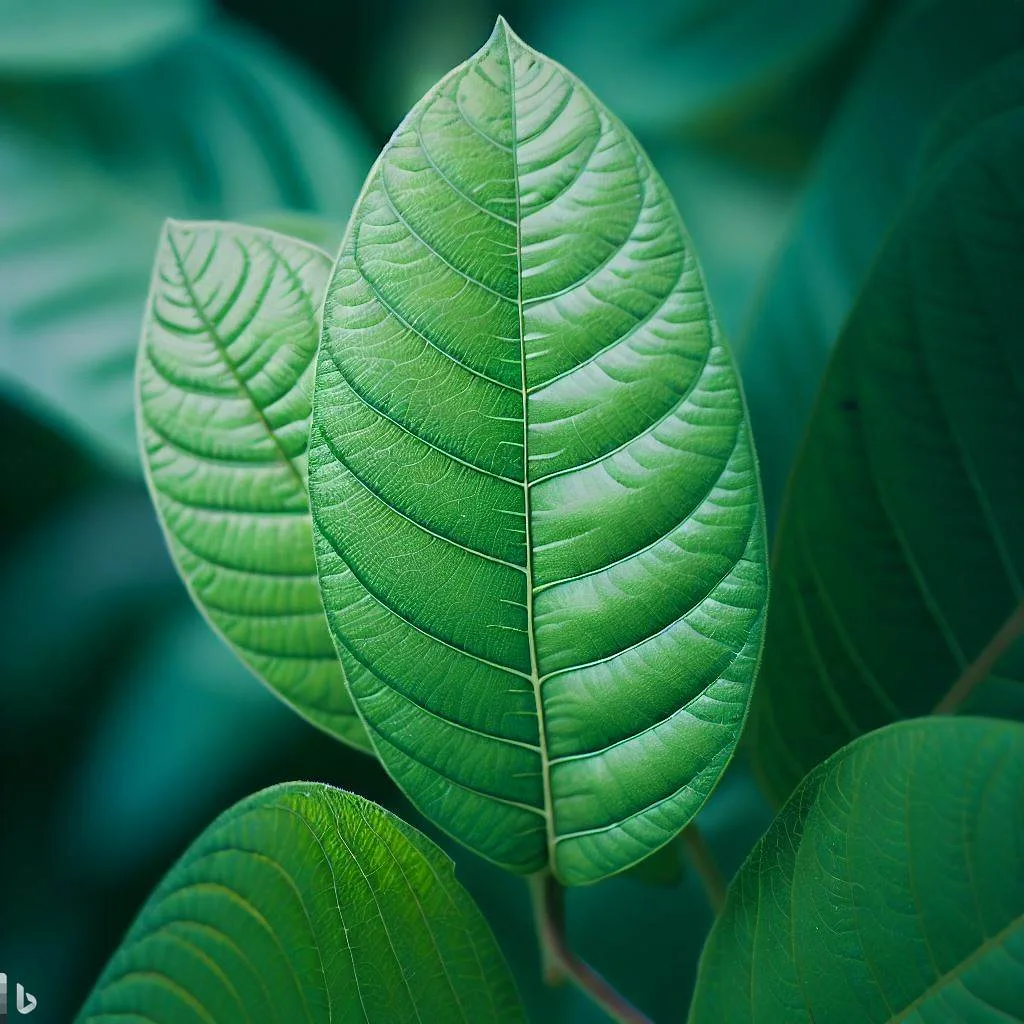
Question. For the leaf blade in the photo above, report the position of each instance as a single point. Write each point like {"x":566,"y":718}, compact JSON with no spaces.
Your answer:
{"x":850,"y":933}
{"x":224,"y":391}
{"x":583,"y":437}
{"x":304,"y":902}
{"x":897,"y":561}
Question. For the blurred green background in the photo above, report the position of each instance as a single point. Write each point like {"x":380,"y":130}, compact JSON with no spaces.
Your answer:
{"x":790,"y":132}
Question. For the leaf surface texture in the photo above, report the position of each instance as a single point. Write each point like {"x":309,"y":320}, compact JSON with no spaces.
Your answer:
{"x":890,"y":888}
{"x":535,"y":502}
{"x":306,"y":905}
{"x":225,"y":384}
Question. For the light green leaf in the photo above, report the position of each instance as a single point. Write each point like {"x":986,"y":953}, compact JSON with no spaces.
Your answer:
{"x":222,"y":126}
{"x":869,"y":165}
{"x":225,"y":383}
{"x":889,"y":888}
{"x":39,"y":37}
{"x":535,"y":501}
{"x":900,"y":560}
{"x":306,"y":903}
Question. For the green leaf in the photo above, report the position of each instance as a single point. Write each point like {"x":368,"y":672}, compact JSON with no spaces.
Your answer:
{"x":40,"y":37}
{"x":222,"y":126}
{"x":899,"y":560}
{"x":869,"y":165}
{"x":225,"y":383}
{"x":306,"y":903}
{"x":535,"y":501}
{"x":889,"y":888}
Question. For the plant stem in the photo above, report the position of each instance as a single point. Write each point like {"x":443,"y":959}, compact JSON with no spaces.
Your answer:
{"x":549,"y":911}
{"x":704,"y":864}
{"x":979,"y":669}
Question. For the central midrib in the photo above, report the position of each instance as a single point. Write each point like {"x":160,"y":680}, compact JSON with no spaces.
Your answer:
{"x":221,"y":347}
{"x":549,"y":816}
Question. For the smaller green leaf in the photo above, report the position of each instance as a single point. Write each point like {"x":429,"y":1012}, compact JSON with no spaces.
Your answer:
{"x":889,"y":888}
{"x":225,"y":381}
{"x":304,"y":903}
{"x":40,"y":37}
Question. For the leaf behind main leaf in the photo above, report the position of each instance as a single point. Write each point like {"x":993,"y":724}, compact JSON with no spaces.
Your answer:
{"x":225,"y":382}
{"x":304,"y":903}
{"x":889,"y":888}
{"x":536,"y":508}
{"x":899,"y":564}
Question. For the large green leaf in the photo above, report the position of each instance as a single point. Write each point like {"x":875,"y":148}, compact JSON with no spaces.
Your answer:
{"x":68,"y":36}
{"x":306,"y":903}
{"x":225,"y":384}
{"x":868,"y":166}
{"x":899,"y":562}
{"x":221,"y":126}
{"x":535,"y":502}
{"x":889,"y":888}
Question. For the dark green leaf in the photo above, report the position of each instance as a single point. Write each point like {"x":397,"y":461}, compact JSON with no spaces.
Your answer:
{"x":535,"y":502}
{"x":306,"y":903}
{"x":225,"y":384}
{"x":900,"y":559}
{"x":868,"y":166}
{"x":221,"y":126}
{"x":889,"y":888}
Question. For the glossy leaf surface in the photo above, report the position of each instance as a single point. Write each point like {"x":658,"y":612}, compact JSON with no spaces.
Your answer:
{"x":869,"y":166}
{"x":899,"y":561}
{"x":535,"y":503}
{"x":304,"y":903}
{"x":220,"y":126}
{"x":889,"y":888}
{"x":225,"y":384}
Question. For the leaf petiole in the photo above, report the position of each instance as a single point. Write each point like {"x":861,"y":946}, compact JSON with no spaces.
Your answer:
{"x":561,"y":962}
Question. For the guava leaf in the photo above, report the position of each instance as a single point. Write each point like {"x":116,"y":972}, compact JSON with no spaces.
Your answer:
{"x":889,"y":888}
{"x":899,"y":565}
{"x":225,"y":381}
{"x":304,"y":903}
{"x":536,"y":508}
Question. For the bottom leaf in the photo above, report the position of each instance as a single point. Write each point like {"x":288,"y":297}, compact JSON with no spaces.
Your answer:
{"x":304,"y":903}
{"x":889,"y":888}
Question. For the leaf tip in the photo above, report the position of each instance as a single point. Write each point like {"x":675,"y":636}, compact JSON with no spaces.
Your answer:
{"x":502,"y":35}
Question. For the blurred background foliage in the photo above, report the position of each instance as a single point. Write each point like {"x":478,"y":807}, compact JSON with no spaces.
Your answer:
{"x":791,"y":133}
